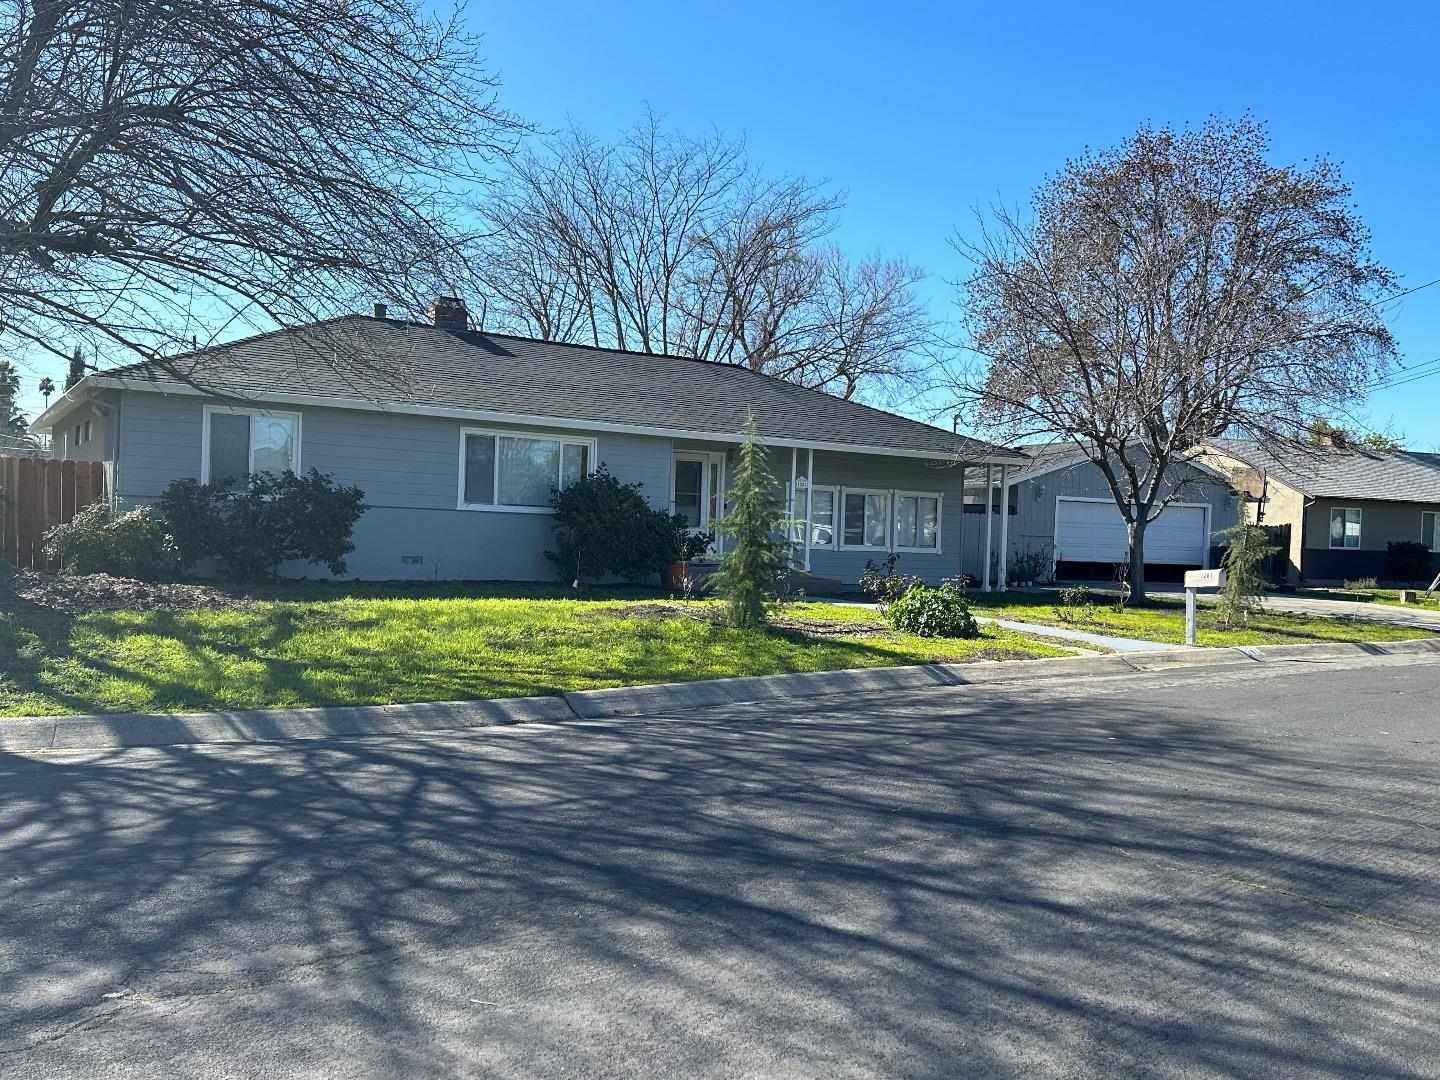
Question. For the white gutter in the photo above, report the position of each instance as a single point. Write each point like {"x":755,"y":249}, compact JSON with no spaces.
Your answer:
{"x":110,"y":382}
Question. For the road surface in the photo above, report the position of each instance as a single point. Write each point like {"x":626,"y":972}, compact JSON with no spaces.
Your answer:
{"x":1190,"y":874}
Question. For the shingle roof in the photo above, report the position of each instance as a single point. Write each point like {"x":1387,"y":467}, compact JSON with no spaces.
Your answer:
{"x":1344,"y":473}
{"x":394,"y":363}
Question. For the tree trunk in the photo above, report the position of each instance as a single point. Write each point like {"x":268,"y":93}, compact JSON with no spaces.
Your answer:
{"x":1136,"y":533}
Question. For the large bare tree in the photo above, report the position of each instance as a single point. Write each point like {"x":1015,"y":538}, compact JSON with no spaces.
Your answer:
{"x":1175,"y":288}
{"x":660,"y":242}
{"x":170,"y":169}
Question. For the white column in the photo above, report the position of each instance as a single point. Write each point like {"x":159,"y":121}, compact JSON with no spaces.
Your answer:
{"x":989,"y":529}
{"x":809,"y":503}
{"x":1004,"y":526}
{"x":790,"y":513}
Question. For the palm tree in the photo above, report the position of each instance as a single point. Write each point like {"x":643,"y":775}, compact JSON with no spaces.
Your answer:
{"x":47,"y":387}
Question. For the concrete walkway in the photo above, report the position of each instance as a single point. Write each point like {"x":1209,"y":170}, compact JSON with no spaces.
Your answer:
{"x":1081,"y":638}
{"x":1084,"y":637}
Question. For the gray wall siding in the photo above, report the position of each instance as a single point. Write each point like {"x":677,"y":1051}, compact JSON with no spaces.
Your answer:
{"x":409,"y":469}
{"x":1032,"y":526}
{"x":904,"y":474}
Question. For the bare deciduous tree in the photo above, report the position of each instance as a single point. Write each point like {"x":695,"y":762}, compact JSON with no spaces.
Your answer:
{"x":665,"y":243}
{"x":1175,"y":288}
{"x":170,"y":169}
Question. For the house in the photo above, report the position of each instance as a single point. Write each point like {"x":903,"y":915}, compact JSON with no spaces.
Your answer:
{"x":1062,"y":515}
{"x":1335,"y":508}
{"x":457,"y":437}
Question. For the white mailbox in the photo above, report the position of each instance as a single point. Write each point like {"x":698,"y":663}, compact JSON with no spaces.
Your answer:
{"x":1204,"y":579}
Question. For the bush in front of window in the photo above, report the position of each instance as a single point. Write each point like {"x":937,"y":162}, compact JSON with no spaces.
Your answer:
{"x":604,"y":528}
{"x":884,"y":584}
{"x":933,"y":612}
{"x":100,"y":541}
{"x":1408,"y":561}
{"x":270,"y":520}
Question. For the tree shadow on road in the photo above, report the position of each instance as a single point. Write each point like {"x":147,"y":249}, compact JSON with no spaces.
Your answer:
{"x":942,"y":883}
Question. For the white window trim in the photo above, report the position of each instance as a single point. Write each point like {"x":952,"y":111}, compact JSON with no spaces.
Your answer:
{"x":549,"y":436}
{"x":707,"y":460}
{"x":939,"y":497}
{"x":236,"y":410}
{"x":835,"y":505}
{"x":840,"y":519}
{"x":1359,"y":535}
{"x":1434,"y":529}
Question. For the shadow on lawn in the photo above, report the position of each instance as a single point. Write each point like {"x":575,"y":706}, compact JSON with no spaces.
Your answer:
{"x":928,"y":885}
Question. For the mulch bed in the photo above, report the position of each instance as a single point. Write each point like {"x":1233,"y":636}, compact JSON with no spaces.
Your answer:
{"x":815,"y":627}
{"x":85,"y":593}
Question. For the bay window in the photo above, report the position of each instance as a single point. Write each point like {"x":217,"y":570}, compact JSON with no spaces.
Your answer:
{"x":501,"y":470}
{"x":238,"y":442}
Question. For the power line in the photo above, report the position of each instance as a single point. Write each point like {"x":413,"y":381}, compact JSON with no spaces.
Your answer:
{"x":1410,"y":375}
{"x":1407,"y":292}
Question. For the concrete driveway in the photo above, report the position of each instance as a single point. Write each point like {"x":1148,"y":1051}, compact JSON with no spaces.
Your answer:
{"x":1192,"y":874}
{"x":1424,"y":618}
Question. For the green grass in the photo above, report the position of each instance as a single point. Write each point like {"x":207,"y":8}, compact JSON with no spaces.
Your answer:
{"x":327,"y":646}
{"x":1164,"y":620}
{"x":1390,"y":597}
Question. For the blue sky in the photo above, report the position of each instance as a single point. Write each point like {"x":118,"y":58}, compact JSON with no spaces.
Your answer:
{"x":920,"y":112}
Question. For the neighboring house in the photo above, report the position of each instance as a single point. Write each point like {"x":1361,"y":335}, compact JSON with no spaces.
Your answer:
{"x":1336,"y":508}
{"x":457,"y":438}
{"x":1062,"y":511}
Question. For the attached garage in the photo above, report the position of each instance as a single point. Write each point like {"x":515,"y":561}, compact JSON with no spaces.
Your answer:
{"x":1090,"y":534}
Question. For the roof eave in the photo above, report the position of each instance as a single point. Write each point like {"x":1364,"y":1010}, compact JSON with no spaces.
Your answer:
{"x":986,"y":454}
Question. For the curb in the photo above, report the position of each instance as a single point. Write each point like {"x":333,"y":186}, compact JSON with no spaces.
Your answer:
{"x":121,"y":730}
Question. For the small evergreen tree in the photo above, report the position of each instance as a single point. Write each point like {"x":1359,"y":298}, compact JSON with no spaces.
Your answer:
{"x":1244,"y":564}
{"x":758,"y":554}
{"x":77,"y":368}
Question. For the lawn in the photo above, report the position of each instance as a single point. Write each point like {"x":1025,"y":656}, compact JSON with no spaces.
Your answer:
{"x":1164,"y":620}
{"x":375,"y":645}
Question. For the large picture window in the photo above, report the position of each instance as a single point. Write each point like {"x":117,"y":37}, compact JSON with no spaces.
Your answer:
{"x":917,"y":521}
{"x":238,"y":442}
{"x":865,"y":519}
{"x":1344,"y":527}
{"x":500,"y":470}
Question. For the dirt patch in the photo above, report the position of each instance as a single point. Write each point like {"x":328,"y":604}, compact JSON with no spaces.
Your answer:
{"x":827,"y":629}
{"x":101,"y":592}
{"x":656,"y":610}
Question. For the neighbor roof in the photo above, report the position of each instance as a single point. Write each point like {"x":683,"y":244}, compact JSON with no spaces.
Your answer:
{"x":1344,"y":473}
{"x":358,"y":361}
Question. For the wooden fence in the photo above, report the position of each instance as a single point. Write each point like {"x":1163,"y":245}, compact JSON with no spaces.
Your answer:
{"x":38,"y":493}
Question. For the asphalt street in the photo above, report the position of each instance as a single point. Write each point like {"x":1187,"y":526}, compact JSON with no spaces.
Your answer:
{"x":1225,"y":872}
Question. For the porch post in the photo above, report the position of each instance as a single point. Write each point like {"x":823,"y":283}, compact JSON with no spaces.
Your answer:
{"x":809,"y":503}
{"x":790,"y":513}
{"x":989,"y":528}
{"x":1004,"y":526}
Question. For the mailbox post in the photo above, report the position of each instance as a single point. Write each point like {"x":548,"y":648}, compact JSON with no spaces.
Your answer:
{"x":1194,"y":581}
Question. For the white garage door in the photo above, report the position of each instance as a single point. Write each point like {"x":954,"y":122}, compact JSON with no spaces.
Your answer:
{"x":1095,"y":532}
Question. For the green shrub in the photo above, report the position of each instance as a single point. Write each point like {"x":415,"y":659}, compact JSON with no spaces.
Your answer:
{"x":604,"y":528}
{"x":99,"y":541}
{"x":1408,"y":561}
{"x":270,"y":520}
{"x":937,"y":612}
{"x":759,"y":556}
{"x":1248,"y":550}
{"x":883,"y":584}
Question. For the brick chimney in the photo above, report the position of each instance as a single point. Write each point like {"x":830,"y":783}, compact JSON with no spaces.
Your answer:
{"x":449,"y":312}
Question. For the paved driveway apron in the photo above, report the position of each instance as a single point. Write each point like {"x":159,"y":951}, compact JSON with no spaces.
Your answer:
{"x":1197,"y":874}
{"x":1425,"y":618}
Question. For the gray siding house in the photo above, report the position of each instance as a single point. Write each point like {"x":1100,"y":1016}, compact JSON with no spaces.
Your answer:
{"x":1061,"y":513}
{"x":457,"y":437}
